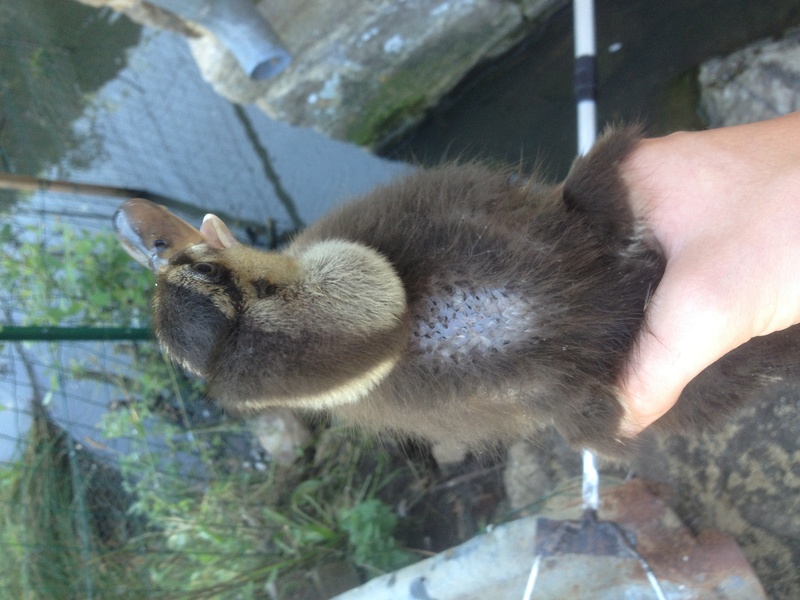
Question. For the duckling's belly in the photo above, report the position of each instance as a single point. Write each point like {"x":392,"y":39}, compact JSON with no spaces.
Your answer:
{"x":460,"y":321}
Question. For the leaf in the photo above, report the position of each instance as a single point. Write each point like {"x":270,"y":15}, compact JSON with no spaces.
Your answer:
{"x":100,"y":298}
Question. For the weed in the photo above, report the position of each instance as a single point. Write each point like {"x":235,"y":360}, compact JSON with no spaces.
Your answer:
{"x":175,"y":520}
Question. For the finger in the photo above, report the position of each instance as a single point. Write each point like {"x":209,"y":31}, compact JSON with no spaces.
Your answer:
{"x":688,"y":327}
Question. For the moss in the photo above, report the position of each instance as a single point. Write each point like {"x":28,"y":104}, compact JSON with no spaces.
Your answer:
{"x":677,"y":105}
{"x":389,"y":112}
{"x":399,"y":98}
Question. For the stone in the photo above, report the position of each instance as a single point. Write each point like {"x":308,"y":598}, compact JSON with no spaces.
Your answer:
{"x":281,"y":434}
{"x":219,"y":68}
{"x":374,"y":73}
{"x":363,"y":71}
{"x":742,"y":479}
{"x":755,"y":83}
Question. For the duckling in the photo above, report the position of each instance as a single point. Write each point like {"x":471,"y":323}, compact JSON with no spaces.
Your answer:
{"x":457,"y":305}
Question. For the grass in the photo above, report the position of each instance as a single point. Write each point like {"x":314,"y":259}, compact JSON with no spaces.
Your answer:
{"x":240,"y":534}
{"x":181,"y":518}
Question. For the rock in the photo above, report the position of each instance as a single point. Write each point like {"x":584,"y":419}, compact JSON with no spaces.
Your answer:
{"x":446,"y":454}
{"x":532,"y":472}
{"x":743,"y":479}
{"x":373,"y":73}
{"x":221,"y":70}
{"x":281,"y":434}
{"x":362,"y":71}
{"x":758,"y":82}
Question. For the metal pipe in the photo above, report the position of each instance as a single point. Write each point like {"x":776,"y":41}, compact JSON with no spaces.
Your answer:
{"x":241,"y":28}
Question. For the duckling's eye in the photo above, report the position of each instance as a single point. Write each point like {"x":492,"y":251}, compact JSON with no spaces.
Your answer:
{"x":206,"y":269}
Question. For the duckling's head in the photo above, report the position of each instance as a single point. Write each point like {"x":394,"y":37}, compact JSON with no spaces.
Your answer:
{"x":312,"y":327}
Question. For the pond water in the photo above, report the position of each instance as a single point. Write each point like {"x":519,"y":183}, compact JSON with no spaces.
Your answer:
{"x":520,"y":108}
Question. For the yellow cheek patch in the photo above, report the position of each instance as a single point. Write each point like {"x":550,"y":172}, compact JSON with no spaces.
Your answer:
{"x":252,"y":264}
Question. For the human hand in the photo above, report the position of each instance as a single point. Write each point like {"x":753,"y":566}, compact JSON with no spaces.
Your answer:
{"x":724,"y":205}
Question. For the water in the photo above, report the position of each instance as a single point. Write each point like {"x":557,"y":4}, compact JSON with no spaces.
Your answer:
{"x":520,"y":108}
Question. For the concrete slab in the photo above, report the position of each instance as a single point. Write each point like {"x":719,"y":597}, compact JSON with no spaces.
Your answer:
{"x":497,"y":564}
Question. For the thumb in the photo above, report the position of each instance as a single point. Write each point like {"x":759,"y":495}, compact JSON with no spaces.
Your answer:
{"x":688,"y":327}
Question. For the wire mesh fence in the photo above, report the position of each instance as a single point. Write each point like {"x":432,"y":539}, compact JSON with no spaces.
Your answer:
{"x":118,"y":478}
{"x":164,"y":498}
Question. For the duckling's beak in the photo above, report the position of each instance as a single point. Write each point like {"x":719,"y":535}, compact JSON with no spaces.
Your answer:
{"x":151,"y":234}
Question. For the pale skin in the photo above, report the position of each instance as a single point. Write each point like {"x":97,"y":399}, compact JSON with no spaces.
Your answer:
{"x":725,"y":206}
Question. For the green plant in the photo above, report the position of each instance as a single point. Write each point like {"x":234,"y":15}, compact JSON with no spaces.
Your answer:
{"x":64,"y":276}
{"x":238,"y":533}
{"x":56,"y":505}
{"x":13,"y":573}
{"x":197,"y":525}
{"x":370,"y":527}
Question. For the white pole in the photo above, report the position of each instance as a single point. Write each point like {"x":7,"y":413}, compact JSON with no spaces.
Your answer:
{"x":585,"y":93}
{"x":585,"y":70}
